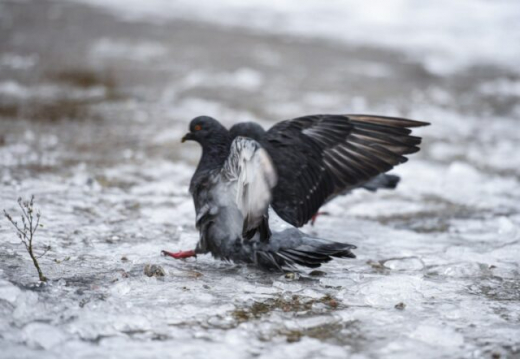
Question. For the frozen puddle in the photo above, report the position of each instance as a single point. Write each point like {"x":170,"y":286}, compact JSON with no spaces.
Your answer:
{"x":437,"y":273}
{"x":444,"y":292}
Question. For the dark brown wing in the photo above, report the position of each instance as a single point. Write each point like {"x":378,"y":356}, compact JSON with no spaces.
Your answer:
{"x":320,"y":156}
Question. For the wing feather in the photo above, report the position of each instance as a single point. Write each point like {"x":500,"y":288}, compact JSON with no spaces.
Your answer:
{"x":318,"y":157}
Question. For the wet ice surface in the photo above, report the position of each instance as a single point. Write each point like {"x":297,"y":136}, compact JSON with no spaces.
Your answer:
{"x":92,"y":107}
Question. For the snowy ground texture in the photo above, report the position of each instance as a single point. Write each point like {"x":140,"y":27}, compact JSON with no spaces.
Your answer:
{"x":95,"y":95}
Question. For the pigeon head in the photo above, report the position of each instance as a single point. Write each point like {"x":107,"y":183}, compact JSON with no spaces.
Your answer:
{"x":206,"y":131}
{"x":247,"y":129}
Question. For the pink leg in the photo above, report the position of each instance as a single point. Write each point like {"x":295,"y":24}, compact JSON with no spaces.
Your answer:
{"x":316,"y":215}
{"x":180,"y":255}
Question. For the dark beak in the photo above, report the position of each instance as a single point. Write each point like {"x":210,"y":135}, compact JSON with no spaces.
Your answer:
{"x":187,"y":137}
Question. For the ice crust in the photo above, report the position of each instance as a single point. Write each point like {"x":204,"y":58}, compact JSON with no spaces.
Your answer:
{"x":437,"y":272}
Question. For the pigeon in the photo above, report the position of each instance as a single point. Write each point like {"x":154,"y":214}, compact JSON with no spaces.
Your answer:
{"x":319,"y":157}
{"x":295,"y":167}
{"x":255,"y":131}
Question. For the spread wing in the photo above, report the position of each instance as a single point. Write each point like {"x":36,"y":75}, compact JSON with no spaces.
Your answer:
{"x":250,"y":170}
{"x":320,"y":156}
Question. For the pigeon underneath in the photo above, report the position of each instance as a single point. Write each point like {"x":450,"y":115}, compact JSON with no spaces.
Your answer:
{"x":295,"y":167}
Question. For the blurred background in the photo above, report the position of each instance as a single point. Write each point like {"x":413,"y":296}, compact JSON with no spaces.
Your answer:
{"x":96,"y":94}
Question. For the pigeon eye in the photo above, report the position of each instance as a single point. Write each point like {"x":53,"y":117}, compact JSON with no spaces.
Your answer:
{"x":197,"y":127}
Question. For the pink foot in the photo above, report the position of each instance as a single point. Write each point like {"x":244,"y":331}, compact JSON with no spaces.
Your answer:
{"x":315,"y":217}
{"x":180,"y":255}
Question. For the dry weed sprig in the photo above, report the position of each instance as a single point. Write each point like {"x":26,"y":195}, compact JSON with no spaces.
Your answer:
{"x":31,"y":223}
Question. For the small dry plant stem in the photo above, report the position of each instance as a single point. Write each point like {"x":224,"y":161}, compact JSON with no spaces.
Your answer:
{"x":31,"y":223}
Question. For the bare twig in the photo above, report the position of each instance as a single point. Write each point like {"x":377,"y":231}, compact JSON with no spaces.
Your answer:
{"x":26,"y":233}
{"x":48,"y":248}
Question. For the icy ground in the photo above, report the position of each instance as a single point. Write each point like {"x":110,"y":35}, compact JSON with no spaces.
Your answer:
{"x":94,"y":97}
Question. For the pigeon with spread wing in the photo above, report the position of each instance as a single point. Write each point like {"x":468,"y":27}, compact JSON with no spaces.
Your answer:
{"x":295,"y":167}
{"x":321,"y":156}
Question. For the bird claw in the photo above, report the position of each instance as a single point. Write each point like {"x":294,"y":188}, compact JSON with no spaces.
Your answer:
{"x":180,"y":254}
{"x":316,"y":215}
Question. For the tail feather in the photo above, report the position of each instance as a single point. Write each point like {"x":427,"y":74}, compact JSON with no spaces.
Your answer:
{"x":305,"y":257}
{"x":336,"y":249}
{"x":267,"y":257}
{"x":290,"y":260}
{"x":311,"y":256}
{"x":308,"y":255}
{"x":383,"y":181}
